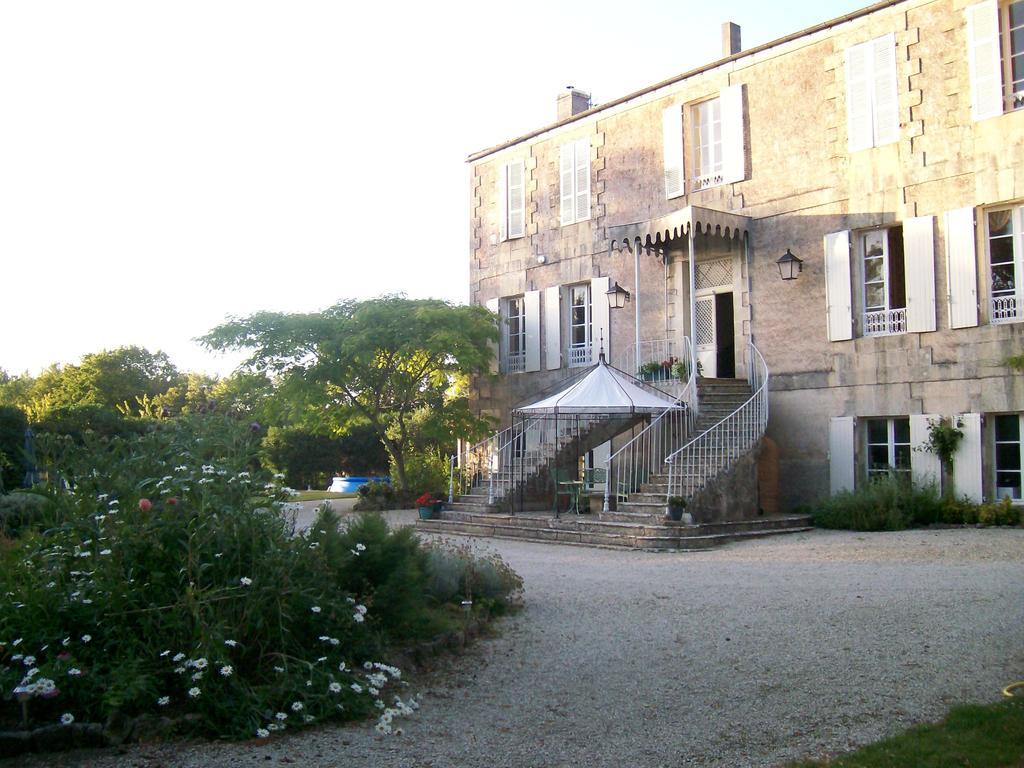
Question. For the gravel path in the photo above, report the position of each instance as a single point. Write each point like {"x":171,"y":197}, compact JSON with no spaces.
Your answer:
{"x":749,"y":655}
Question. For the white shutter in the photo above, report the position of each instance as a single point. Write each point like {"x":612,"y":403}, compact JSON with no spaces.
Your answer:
{"x":734,"y":157}
{"x":967,"y":460}
{"x":838,"y":290}
{"x":885,"y":103}
{"x":924,"y":465}
{"x":919,"y":260}
{"x":983,"y":60}
{"x":516,"y":199}
{"x":841,"y":454}
{"x":492,"y":304}
{"x":582,"y":179}
{"x":961,"y":268}
{"x":567,"y":174}
{"x":600,"y":317}
{"x":531,"y":307}
{"x":552,"y":328}
{"x":858,"y":97}
{"x":672,"y":143}
{"x":503,"y":203}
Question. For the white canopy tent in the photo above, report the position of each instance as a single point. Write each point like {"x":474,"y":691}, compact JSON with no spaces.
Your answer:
{"x":605,"y":390}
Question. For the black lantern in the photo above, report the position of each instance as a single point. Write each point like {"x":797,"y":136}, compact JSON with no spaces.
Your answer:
{"x":789,"y":266}
{"x":617,"y":296}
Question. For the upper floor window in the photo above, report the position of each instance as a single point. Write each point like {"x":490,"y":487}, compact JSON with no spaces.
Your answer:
{"x":872,"y":107}
{"x":1005,"y":240}
{"x":995,"y":57}
{"x":885,"y":290}
{"x":515,"y":335}
{"x":895,"y":270}
{"x":888,"y":446}
{"x":574,"y":162}
{"x":716,"y":149}
{"x":512,"y":200}
{"x":707,"y":149}
{"x":580,"y":335}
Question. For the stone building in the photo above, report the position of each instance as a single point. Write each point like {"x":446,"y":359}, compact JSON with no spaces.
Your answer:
{"x":884,"y":149}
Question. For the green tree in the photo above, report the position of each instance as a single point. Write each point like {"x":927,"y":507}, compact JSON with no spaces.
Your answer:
{"x":377,"y":361}
{"x":12,"y":441}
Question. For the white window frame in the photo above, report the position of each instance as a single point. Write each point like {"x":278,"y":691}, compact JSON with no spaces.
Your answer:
{"x":990,"y":56}
{"x":872,"y":95}
{"x":881,"y":320}
{"x":1015,"y":490}
{"x":580,"y":353}
{"x":707,"y":140}
{"x":514,"y":341}
{"x":574,"y":175}
{"x":513,"y":200}
{"x":1008,"y":305}
{"x":1013,"y":91}
{"x":890,"y":444}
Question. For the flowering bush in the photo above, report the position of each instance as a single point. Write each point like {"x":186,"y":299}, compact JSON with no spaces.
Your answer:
{"x":163,"y":578}
{"x":426,"y":500}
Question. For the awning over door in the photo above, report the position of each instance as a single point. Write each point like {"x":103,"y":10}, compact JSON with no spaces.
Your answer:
{"x":655,"y":233}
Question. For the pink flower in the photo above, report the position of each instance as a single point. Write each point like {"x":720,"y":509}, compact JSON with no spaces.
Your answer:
{"x":145,"y":505}
{"x":172,"y":500}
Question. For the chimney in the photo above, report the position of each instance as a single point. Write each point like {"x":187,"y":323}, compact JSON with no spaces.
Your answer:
{"x":572,"y":102}
{"x":730,"y":39}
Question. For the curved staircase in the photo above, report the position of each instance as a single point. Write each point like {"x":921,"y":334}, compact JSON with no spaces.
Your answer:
{"x":704,"y":458}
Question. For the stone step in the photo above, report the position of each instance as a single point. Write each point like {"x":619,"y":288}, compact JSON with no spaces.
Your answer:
{"x":666,"y":536}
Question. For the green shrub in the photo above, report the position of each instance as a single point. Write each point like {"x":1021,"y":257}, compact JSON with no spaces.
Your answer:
{"x":375,"y":496}
{"x":166,"y":581}
{"x":457,"y":574}
{"x":19,"y":511}
{"x":889,"y":503}
{"x":425,"y":472}
{"x":998,"y":513}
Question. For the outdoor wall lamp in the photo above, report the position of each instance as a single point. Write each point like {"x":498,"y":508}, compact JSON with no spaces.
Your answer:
{"x":789,"y":266}
{"x":617,"y":296}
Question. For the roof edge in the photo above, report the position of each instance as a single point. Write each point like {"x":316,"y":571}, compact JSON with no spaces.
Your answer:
{"x":685,"y":75}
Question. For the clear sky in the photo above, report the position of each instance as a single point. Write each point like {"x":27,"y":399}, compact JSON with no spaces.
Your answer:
{"x":166,"y":164}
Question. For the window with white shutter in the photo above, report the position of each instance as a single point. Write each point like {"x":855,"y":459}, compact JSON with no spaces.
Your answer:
{"x":531,"y":311}
{"x":494,"y":305}
{"x":838,"y":293}
{"x":707,"y":144}
{"x":872,"y":103}
{"x":514,"y":347}
{"x":995,"y":57}
{"x":967,"y":476}
{"x":961,"y":268}
{"x":841,"y":454}
{"x":924,"y":465}
{"x":552,"y":328}
{"x":672,"y":144}
{"x":513,"y":200}
{"x":574,"y":175}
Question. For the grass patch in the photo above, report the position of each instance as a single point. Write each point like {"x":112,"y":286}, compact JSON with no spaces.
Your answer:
{"x":321,"y":495}
{"x":980,"y":736}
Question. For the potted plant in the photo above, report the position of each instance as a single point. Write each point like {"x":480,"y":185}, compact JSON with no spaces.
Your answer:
{"x":675,"y":509}
{"x":649,"y":370}
{"x":428,"y":506}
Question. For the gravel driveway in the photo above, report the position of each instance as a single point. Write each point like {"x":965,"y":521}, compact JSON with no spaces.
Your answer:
{"x":744,"y":656}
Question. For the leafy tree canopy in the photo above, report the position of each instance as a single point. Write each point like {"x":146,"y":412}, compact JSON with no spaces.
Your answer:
{"x":379,"y":361}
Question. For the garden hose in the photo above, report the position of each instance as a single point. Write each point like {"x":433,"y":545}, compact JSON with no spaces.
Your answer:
{"x":1008,"y":690}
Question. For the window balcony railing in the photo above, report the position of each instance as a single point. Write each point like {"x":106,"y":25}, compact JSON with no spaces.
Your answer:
{"x":885,"y":322}
{"x":579,"y":355}
{"x":515,"y":362}
{"x":1005,"y":309}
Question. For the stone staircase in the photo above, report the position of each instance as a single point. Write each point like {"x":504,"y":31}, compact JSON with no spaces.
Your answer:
{"x":639,"y":521}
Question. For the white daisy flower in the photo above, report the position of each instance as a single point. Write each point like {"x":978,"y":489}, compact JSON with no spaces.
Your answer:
{"x":67,"y":718}
{"x":194,"y":692}
{"x":163,"y":701}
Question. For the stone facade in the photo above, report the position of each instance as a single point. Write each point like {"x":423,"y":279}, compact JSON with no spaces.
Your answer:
{"x":797,"y":182}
